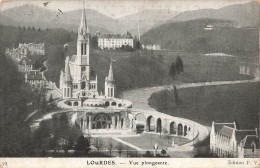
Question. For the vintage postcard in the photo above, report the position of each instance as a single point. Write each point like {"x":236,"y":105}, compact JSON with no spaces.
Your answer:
{"x":129,"y":83}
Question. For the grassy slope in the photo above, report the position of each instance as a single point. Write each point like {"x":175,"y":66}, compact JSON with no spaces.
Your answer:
{"x":191,"y":36}
{"x":214,"y":103}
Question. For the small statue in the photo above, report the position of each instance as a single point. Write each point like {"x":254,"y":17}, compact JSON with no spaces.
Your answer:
{"x":155,"y":149}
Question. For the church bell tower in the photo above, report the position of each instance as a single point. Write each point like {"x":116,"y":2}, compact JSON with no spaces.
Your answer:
{"x":83,"y":47}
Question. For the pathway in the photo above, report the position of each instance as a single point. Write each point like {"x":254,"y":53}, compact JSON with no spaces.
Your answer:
{"x":139,"y":97}
{"x":126,"y":143}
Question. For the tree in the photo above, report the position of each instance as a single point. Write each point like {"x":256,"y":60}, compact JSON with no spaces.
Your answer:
{"x":172,"y":71}
{"x":179,"y":65}
{"x":119,"y":148}
{"x":176,"y":96}
{"x":98,"y":144}
{"x":160,"y":57}
{"x":82,"y":146}
{"x":127,"y":151}
{"x":110,"y":146}
{"x":163,"y":152}
{"x":15,"y":134}
{"x":148,"y":154}
{"x":51,"y":99}
{"x":92,"y":72}
{"x":94,"y":42}
{"x":137,"y":44}
{"x":41,"y":136}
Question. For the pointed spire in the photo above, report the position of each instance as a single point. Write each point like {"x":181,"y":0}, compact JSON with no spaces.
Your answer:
{"x":110,"y":76}
{"x":67,"y":71}
{"x":83,"y":28}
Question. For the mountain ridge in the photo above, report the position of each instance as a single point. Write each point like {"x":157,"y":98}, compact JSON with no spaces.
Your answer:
{"x":243,"y":15}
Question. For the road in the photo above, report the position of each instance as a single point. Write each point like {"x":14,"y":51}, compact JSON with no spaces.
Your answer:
{"x":139,"y":97}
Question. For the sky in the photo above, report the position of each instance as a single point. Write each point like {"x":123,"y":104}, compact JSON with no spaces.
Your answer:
{"x":119,"y":8}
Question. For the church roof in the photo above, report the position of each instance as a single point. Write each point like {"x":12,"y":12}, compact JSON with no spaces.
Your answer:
{"x":83,"y":28}
{"x":116,"y":36}
{"x":26,"y":60}
{"x":67,"y":71}
{"x":241,"y":134}
{"x":248,"y":140}
{"x":226,"y":131}
{"x":110,"y":76}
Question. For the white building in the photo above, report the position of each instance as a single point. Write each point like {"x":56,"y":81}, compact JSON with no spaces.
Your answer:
{"x":77,"y":81}
{"x":32,"y":49}
{"x":227,"y":141}
{"x":25,"y":64}
{"x":115,"y":41}
{"x":24,"y":50}
{"x":152,"y":47}
{"x":35,"y":78}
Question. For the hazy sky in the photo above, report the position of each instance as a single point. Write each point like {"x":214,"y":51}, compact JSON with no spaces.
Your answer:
{"x":118,"y":8}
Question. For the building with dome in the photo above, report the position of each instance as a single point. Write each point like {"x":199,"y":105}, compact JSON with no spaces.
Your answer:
{"x":79,"y":88}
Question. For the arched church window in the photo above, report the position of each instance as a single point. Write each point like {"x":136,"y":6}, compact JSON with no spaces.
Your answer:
{"x":83,"y":85}
{"x":85,"y":44}
{"x":113,"y":103}
{"x":112,"y":93}
{"x":81,"y":48}
{"x":107,"y":103}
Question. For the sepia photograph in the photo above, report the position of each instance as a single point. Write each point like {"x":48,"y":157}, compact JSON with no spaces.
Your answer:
{"x":150,"y":79}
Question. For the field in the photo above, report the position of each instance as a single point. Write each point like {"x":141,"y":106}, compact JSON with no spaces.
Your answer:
{"x":225,"y":103}
{"x":198,"y":68}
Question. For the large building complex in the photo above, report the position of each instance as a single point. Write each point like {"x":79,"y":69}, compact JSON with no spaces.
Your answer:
{"x":24,"y":50}
{"x":25,"y":64}
{"x":115,"y":41}
{"x":228,"y":141}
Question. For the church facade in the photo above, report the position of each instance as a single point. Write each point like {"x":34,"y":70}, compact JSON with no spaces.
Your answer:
{"x":79,"y":87}
{"x":77,"y":81}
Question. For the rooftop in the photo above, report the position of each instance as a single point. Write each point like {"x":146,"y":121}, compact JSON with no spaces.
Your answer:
{"x":248,"y":140}
{"x":34,"y":75}
{"x":116,"y":36}
{"x":25,"y":60}
{"x":241,"y":134}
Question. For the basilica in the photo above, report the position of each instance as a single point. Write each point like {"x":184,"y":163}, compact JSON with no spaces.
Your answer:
{"x":93,"y":110}
{"x":77,"y":81}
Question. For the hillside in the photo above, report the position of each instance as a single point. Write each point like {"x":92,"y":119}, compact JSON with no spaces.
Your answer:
{"x":238,"y":102}
{"x":191,"y":36}
{"x":146,"y":19}
{"x":37,"y":17}
{"x":242,"y":15}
